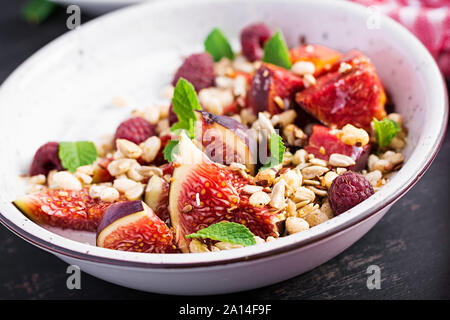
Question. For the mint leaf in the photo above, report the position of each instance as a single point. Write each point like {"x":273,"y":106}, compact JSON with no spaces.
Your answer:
{"x":226,"y":231}
{"x":277,"y":52}
{"x":184,"y":103}
{"x":170,"y":149}
{"x":277,"y":150}
{"x":36,"y":11}
{"x":385,"y":131}
{"x":217,"y":45}
{"x":77,"y":154}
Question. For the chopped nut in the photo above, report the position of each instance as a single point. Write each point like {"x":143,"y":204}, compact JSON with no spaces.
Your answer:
{"x":259,"y":240}
{"x":196,"y":246}
{"x":109,"y":194}
{"x":397,"y":143}
{"x":123,"y":184}
{"x":148,"y":171}
{"x":329,"y":177}
{"x":259,"y":199}
{"x":84,"y":178}
{"x":214,"y":100}
{"x":240,"y":86}
{"x":309,"y":80}
{"x":313,"y":171}
{"x":294,"y":225}
{"x":96,"y":190}
{"x":64,"y":180}
{"x":284,"y":118}
{"x":341,"y":160}
{"x":265,"y":177}
{"x":250,"y":189}
{"x":163,"y":127}
{"x":150,"y":148}
{"x":291,"y":208}
{"x":344,"y":67}
{"x":374,"y":177}
{"x":293,"y":178}
{"x":270,"y":238}
{"x":393,"y":157}
{"x":227,"y":245}
{"x":299,"y":157}
{"x":223,"y":67}
{"x":151,"y":114}
{"x":352,"y":135}
{"x":128,"y":148}
{"x":236,"y":166}
{"x":326,"y":208}
{"x":396,"y":117}
{"x":134,"y":172}
{"x":37,"y":179}
{"x":316,"y":217}
{"x":135,"y":192}
{"x":340,"y":171}
{"x":120,"y":166}
{"x":247,"y":116}
{"x":277,"y":197}
{"x":303,"y":67}
{"x":240,"y":63}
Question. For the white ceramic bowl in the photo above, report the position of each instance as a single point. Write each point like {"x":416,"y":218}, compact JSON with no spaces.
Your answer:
{"x":64,"y":92}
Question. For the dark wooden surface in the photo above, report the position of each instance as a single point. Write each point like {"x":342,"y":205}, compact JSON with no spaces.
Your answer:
{"x":410,"y":244}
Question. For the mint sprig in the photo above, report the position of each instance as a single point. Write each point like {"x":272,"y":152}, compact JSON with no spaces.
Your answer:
{"x":77,"y":154}
{"x":385,"y":131}
{"x":277,"y":150}
{"x":170,"y":150}
{"x":276,"y":51}
{"x":217,"y":45}
{"x":184,"y":103}
{"x":226,"y":231}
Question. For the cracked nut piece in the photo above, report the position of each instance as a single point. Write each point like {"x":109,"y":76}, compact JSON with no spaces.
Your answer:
{"x":128,"y":149}
{"x":294,"y":225}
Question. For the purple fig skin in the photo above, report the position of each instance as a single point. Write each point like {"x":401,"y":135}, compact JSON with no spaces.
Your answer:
{"x":258,"y":94}
{"x":361,"y":160}
{"x":118,"y":211}
{"x":240,"y":130}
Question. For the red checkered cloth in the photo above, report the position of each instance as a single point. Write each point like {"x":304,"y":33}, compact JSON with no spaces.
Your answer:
{"x":429,"y":20}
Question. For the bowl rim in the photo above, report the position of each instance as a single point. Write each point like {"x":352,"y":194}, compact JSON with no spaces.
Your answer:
{"x":60,"y":245}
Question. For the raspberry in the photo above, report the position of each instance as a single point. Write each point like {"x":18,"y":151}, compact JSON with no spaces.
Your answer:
{"x":348,"y":190}
{"x":253,"y":38}
{"x":46,"y":159}
{"x":198,"y":69}
{"x":135,"y":130}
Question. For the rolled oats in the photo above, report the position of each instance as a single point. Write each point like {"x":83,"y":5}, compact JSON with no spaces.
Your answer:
{"x":227,"y":245}
{"x":318,"y":162}
{"x":316,"y":217}
{"x":265,"y":177}
{"x":299,"y":157}
{"x":283,"y":119}
{"x":310,"y":80}
{"x":374,"y":177}
{"x":328,"y":178}
{"x":37,"y":179}
{"x":318,"y":192}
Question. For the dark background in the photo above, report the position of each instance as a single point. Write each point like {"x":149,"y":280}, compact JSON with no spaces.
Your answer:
{"x":410,"y":244}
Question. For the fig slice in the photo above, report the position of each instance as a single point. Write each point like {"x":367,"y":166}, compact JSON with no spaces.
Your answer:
{"x":157,"y":197}
{"x":323,"y":144}
{"x":226,"y":140}
{"x":273,"y":89}
{"x":350,"y":93}
{"x":133,"y":226}
{"x":63,"y":208}
{"x":203,"y":193}
{"x":322,"y":57}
